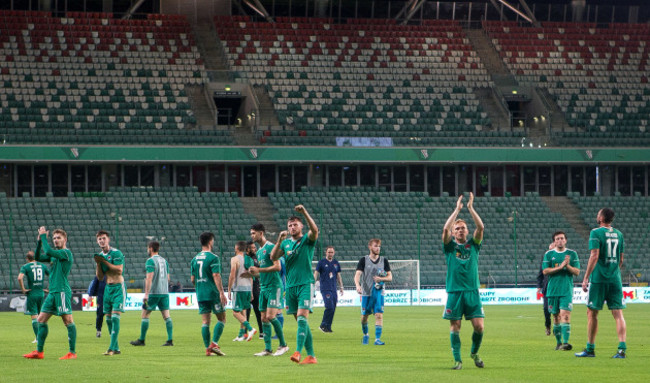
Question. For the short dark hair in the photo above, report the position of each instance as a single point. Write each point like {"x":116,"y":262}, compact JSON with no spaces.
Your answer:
{"x":330,"y":247}
{"x":205,"y":238}
{"x":558,"y":233}
{"x":102,"y":232}
{"x":258,"y":227}
{"x":62,"y":232}
{"x":294,"y":218}
{"x":154,"y":246}
{"x":608,"y":214}
{"x":30,"y":256}
{"x":241,"y":245}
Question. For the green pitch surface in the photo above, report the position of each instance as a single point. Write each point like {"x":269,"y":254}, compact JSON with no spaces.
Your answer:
{"x":417,"y":349}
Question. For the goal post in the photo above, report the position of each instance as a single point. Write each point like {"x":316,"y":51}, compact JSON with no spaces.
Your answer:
{"x":406,"y":274}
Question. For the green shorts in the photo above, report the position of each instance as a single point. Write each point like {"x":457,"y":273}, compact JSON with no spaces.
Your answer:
{"x":271,"y":299}
{"x":33,"y":304}
{"x":242,"y":301}
{"x":300,"y":297}
{"x":215,"y":307}
{"x":564,"y":302}
{"x":114,"y":297}
{"x":601,"y":292}
{"x":158,"y":301}
{"x":467,"y":303}
{"x":57,"y":303}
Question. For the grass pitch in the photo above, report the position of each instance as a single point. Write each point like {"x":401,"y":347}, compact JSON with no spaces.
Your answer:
{"x":417,"y":349}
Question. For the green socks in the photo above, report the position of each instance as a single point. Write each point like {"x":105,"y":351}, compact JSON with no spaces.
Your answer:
{"x":266,"y":327}
{"x":144,"y":326}
{"x":42,"y":334}
{"x":309,"y":343}
{"x":35,"y":327}
{"x":109,"y":324}
{"x":455,"y":345}
{"x":477,"y":338}
{"x":247,"y":326}
{"x":566,"y":332}
{"x":622,"y":346}
{"x":277,"y":326}
{"x":218,"y":330}
{"x":301,"y":337}
{"x":72,"y":337}
{"x":242,"y":331}
{"x":591,"y":347}
{"x":115,"y":318}
{"x":170,"y":328}
{"x":205,"y":333}
{"x":557,"y":331}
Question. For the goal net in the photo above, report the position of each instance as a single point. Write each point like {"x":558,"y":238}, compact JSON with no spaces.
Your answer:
{"x":406,"y":274}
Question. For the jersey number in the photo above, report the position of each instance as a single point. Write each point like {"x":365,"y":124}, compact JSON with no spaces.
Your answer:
{"x":200,"y":268}
{"x":612,"y":245}
{"x":38,"y":274}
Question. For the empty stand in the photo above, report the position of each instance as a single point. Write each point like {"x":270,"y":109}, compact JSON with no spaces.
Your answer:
{"x":368,"y":78}
{"x":90,"y":78}
{"x":597,"y":75}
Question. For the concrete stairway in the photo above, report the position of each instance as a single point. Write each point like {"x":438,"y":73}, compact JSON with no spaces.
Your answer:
{"x":244,"y":137}
{"x":267,"y":115}
{"x":261,"y":208}
{"x":570,"y":212}
{"x":209,"y":46}
{"x":491,"y":106}
{"x":200,"y":107}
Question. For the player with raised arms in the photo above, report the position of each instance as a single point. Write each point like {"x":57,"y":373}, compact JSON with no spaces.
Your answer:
{"x":299,"y":252}
{"x":462,"y":284}
{"x":59,"y":301}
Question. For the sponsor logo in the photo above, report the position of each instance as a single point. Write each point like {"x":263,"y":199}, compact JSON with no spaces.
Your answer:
{"x":184,"y":301}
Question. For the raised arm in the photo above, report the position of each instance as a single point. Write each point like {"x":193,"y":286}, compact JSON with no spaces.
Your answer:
{"x":313,"y":229}
{"x":277,"y":251}
{"x":50,"y":252}
{"x":449,"y":225}
{"x":478,"y":233}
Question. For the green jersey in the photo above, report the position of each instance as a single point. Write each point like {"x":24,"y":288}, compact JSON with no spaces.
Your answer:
{"x":560,"y":283}
{"x":610,"y":243}
{"x":268,"y":281}
{"x":35,"y":273}
{"x":114,"y":257}
{"x":160,"y":269}
{"x":203,"y":265}
{"x":299,"y":255}
{"x":462,"y":265}
{"x":61,"y":260}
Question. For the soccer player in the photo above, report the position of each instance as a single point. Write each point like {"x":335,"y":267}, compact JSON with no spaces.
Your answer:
{"x":462,"y":283}
{"x":241,"y":282}
{"x":561,"y":264}
{"x":542,"y":283}
{"x":59,"y":301}
{"x":607,"y":246}
{"x":270,"y":302}
{"x":299,"y":251}
{"x":251,"y":251}
{"x":206,"y":278}
{"x":329,"y":272}
{"x":110,"y":263}
{"x":35,"y":273}
{"x":375,"y":271}
{"x":156,"y":294}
